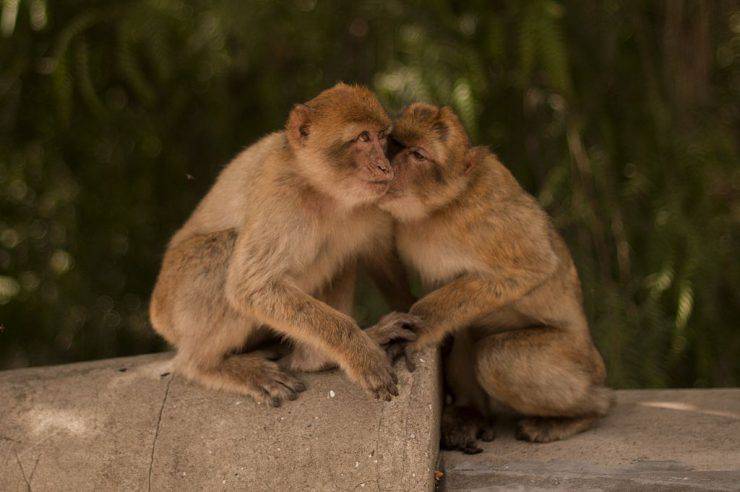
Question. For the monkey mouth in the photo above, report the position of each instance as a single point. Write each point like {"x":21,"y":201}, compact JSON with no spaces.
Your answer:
{"x":391,"y":194}
{"x":379,"y":184}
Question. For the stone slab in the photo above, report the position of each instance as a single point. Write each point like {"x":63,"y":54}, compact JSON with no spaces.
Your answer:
{"x":653,"y":440}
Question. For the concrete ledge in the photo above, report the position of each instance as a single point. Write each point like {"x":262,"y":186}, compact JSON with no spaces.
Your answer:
{"x":653,"y":440}
{"x":128,"y":424}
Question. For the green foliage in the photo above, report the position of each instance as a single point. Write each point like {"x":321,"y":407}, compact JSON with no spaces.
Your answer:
{"x":620,"y":116}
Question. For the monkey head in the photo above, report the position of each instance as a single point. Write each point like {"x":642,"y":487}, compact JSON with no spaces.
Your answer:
{"x":431,"y":157}
{"x":339,"y":139}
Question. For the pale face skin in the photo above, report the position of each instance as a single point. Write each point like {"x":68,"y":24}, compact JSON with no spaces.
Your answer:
{"x":346,"y":159}
{"x":425,"y":176}
{"x":360,"y":152}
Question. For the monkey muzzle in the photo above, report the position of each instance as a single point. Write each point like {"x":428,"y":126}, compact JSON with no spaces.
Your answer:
{"x":380,"y":171}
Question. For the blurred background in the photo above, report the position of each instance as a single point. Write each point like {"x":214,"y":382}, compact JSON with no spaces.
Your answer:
{"x":622,"y":117}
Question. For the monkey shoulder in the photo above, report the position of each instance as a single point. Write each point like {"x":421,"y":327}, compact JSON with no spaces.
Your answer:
{"x":235,"y":193}
{"x":504,"y":224}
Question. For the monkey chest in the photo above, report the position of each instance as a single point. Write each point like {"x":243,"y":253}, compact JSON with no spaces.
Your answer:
{"x":330,"y":252}
{"x":436,"y":259}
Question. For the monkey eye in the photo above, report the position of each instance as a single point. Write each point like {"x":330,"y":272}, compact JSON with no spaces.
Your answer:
{"x":418,"y":155}
{"x":363,"y":137}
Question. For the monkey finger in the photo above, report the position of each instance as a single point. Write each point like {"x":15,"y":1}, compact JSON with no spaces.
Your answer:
{"x":387,"y":395}
{"x":261,"y":397}
{"x":290,"y":381}
{"x":394,"y":351}
{"x":385,"y":392}
{"x":400,"y":333}
{"x":267,"y":399}
{"x":409,"y":355}
{"x":279,"y":392}
{"x":486,"y":434}
{"x":405,"y":320}
{"x":291,"y":393}
{"x":389,"y":333}
{"x":471,"y":448}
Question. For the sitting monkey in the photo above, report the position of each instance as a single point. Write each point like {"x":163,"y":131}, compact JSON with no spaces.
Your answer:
{"x":272,"y":249}
{"x":506,"y":287}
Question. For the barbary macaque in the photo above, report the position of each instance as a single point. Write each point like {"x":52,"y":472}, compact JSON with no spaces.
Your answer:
{"x":501,"y":281}
{"x":272,"y":250}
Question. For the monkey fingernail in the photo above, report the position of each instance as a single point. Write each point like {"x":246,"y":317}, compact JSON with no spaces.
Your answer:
{"x":410,"y":364}
{"x":299,"y":387}
{"x":472,"y":450}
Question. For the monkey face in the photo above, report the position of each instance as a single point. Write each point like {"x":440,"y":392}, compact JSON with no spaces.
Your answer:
{"x":340,"y":138}
{"x":427,"y":149}
{"x":358,"y":160}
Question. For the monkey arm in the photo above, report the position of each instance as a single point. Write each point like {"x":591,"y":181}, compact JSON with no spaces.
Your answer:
{"x":258,"y":285}
{"x":517,"y":262}
{"x":470,"y":297}
{"x":289,"y":310}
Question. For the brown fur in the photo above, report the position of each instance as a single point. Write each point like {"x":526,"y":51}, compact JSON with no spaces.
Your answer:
{"x":271,"y":250}
{"x":506,"y":286}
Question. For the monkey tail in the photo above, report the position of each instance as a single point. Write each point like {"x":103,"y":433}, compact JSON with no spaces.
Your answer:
{"x":603,"y":400}
{"x":160,"y":322}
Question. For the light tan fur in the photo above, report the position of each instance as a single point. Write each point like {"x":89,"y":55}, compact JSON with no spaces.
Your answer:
{"x":272,"y":250}
{"x":501,"y":281}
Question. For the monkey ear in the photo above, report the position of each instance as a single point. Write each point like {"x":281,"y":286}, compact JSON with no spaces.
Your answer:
{"x":473,"y":156}
{"x":447,"y":122}
{"x":298,"y":127}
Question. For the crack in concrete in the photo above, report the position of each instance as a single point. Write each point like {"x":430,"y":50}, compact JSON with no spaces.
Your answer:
{"x":156,"y":432}
{"x":406,"y":421}
{"x":376,"y":451}
{"x":23,"y":472}
{"x":35,"y":465}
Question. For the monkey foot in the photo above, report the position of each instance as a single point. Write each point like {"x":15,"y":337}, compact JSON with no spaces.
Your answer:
{"x":549,"y":429}
{"x":462,"y":427}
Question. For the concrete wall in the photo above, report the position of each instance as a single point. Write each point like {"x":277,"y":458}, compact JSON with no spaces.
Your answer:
{"x":129,"y":424}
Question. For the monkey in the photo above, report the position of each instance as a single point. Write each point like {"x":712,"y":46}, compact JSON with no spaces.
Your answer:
{"x":501,"y":284}
{"x":272,"y":249}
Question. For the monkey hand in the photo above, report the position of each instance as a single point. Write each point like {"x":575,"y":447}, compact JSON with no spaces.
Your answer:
{"x":371,"y":369}
{"x":399,"y":333}
{"x":394,"y":327}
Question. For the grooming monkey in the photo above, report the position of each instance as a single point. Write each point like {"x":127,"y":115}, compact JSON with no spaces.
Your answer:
{"x":505,"y":287}
{"x":273,"y":248}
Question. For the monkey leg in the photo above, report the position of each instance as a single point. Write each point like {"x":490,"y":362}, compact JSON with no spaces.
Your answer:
{"x":339,"y":294}
{"x":250,"y":374}
{"x":547,"y":375}
{"x":223,"y":357}
{"x":215,"y":343}
{"x":466,"y":419}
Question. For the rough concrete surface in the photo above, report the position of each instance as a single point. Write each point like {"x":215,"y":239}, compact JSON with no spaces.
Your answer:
{"x":652,"y":440}
{"x":129,"y":424}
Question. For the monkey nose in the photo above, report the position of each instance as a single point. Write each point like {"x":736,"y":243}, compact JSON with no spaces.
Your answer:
{"x":384,"y":167}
